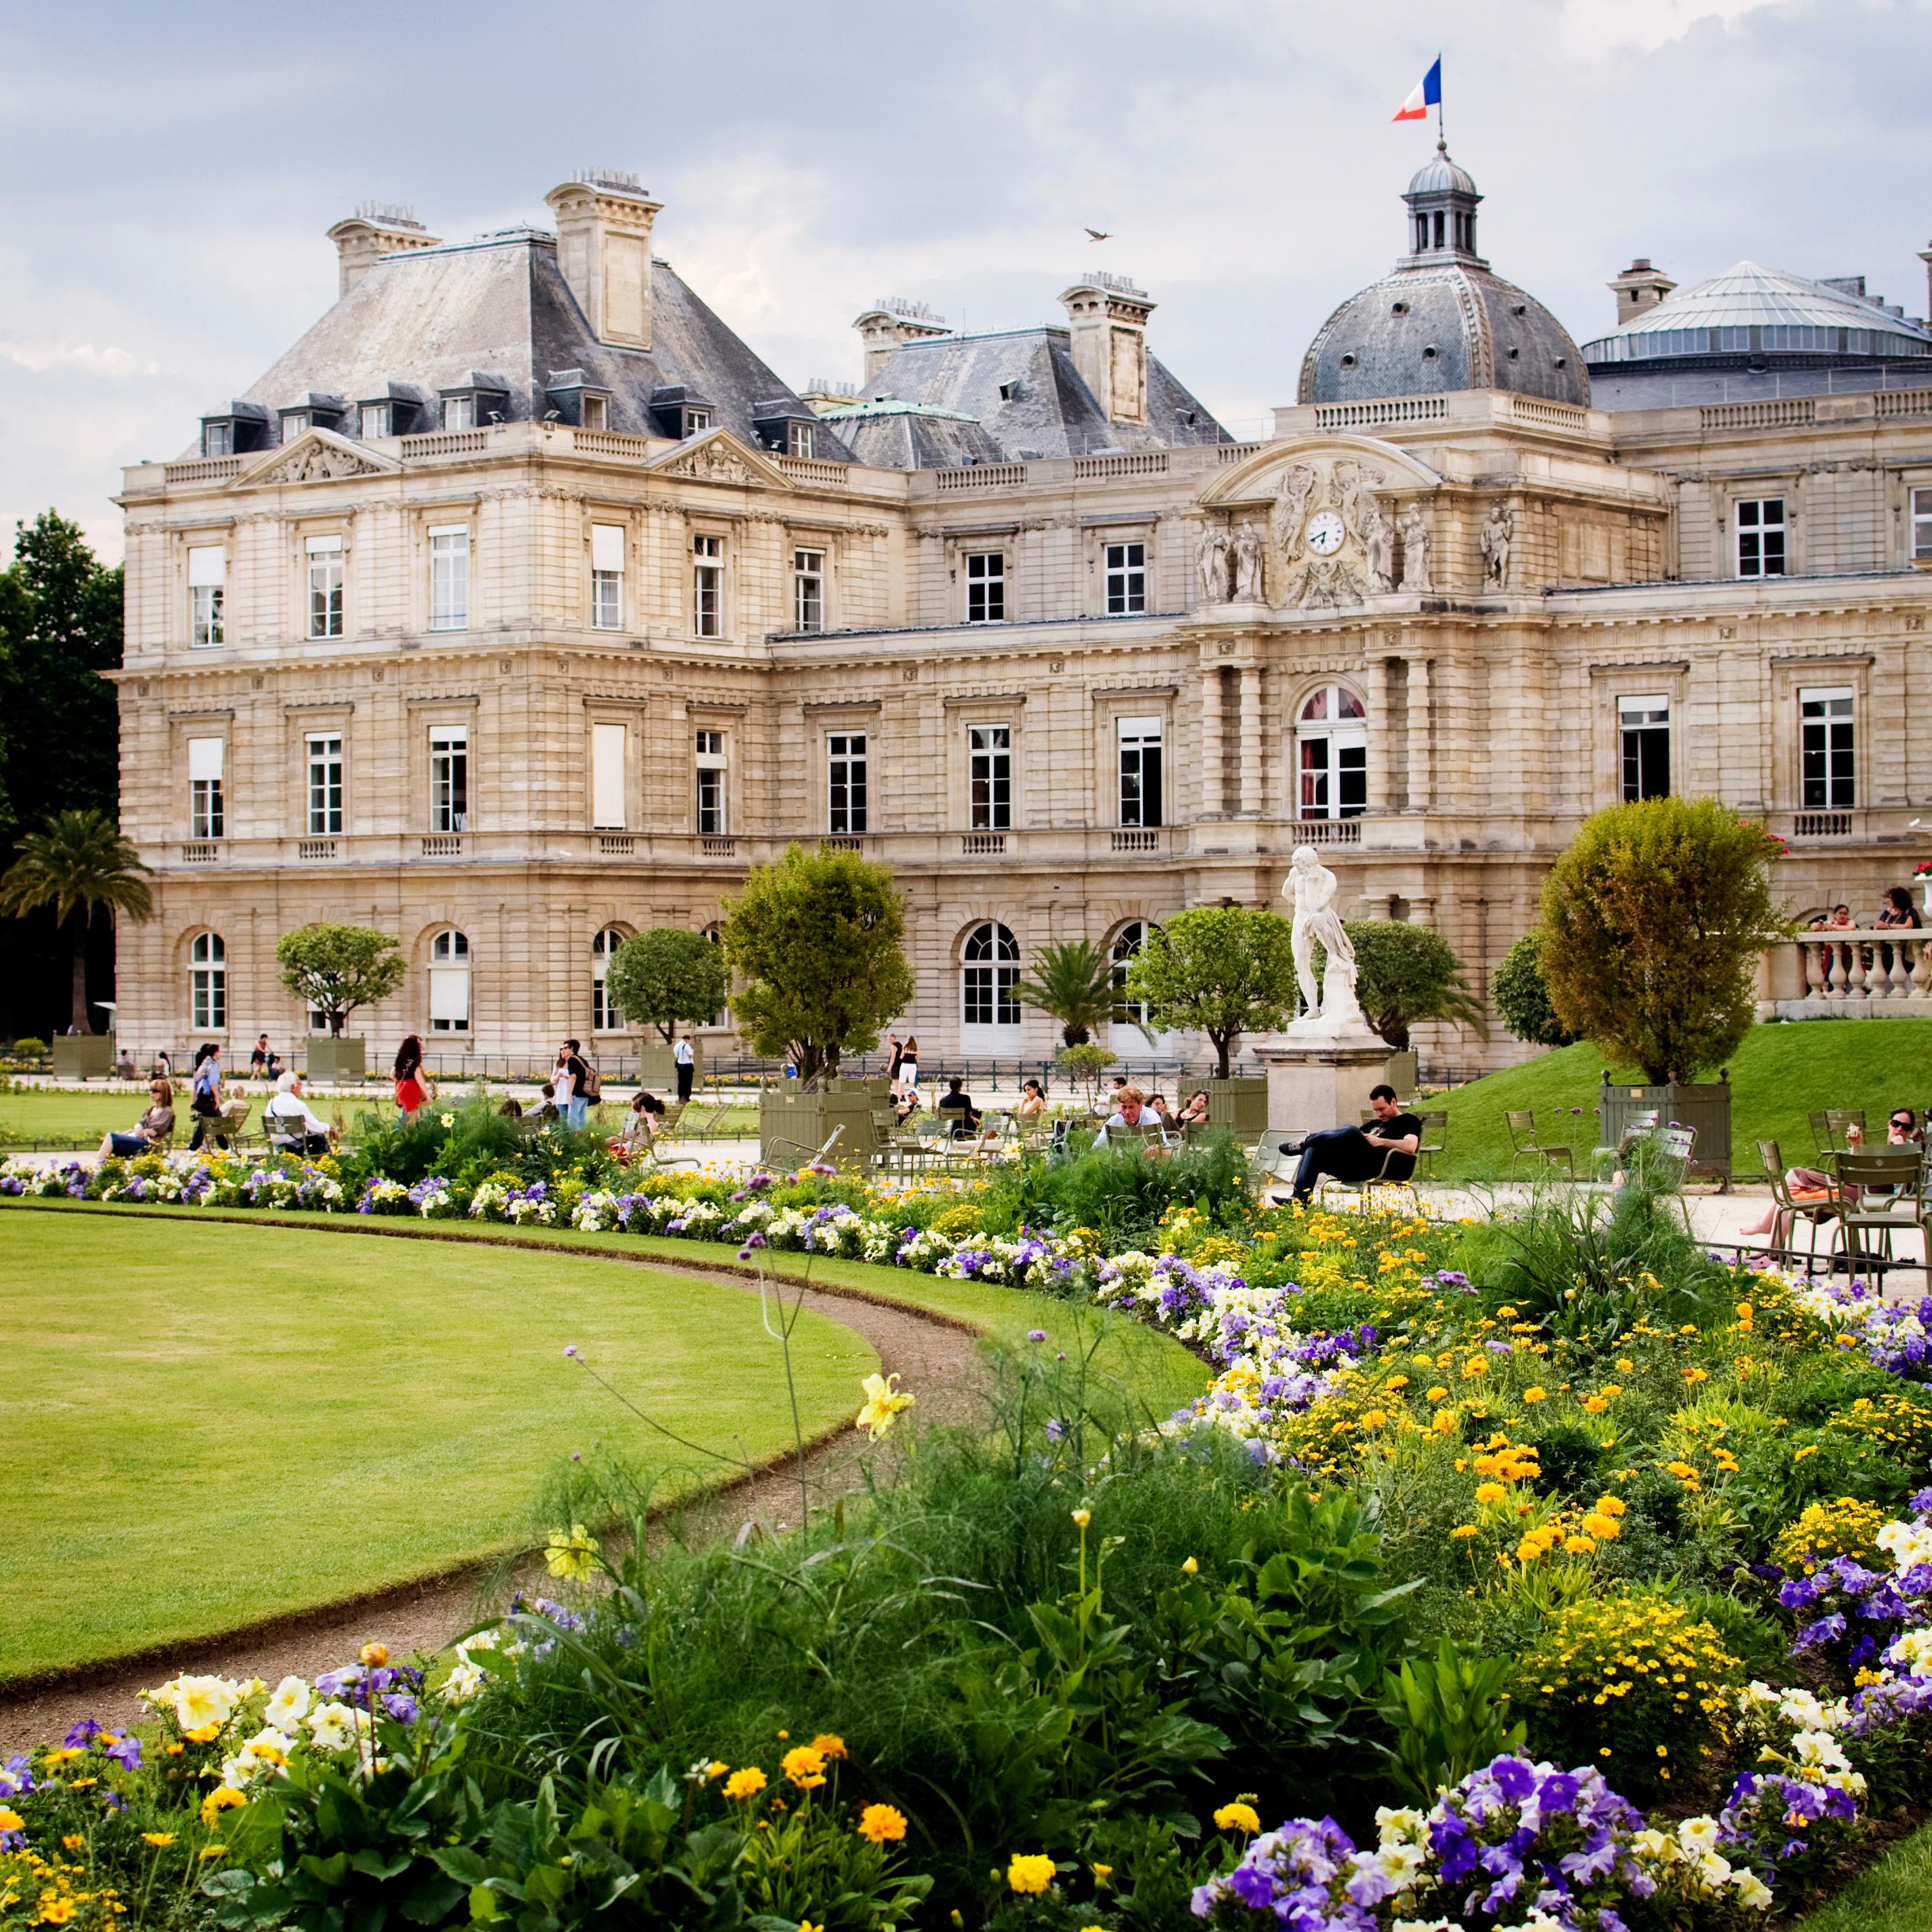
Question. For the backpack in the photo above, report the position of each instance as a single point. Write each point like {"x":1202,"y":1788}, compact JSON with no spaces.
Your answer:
{"x":593,"y":1082}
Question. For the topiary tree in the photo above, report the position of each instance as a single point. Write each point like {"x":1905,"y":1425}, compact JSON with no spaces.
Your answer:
{"x":1085,"y":1059}
{"x":332,"y":969}
{"x":1520,"y":994}
{"x":1652,"y":923}
{"x":659,"y":977}
{"x":816,"y":940}
{"x":1072,"y":981}
{"x":1406,"y":974}
{"x":1222,"y":970}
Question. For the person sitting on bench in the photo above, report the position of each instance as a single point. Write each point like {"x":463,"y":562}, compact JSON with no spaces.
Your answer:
{"x":1384,"y":1152}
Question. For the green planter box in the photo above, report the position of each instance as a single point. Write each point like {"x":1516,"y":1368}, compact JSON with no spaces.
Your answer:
{"x":792,"y":1126}
{"x":83,"y":1056}
{"x":658,"y":1069}
{"x":1400,"y":1070}
{"x":1706,"y":1106}
{"x":1239,"y":1105}
{"x":335,"y":1062}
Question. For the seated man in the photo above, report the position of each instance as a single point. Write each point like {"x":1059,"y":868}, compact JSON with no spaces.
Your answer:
{"x":291,"y":1124}
{"x":1130,"y":1121}
{"x":956,"y":1101}
{"x":1386,"y":1151}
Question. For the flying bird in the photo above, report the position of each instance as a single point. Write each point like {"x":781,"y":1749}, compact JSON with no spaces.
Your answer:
{"x":1100,"y":234}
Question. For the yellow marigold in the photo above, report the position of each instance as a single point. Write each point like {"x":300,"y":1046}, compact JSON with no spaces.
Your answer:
{"x":827,"y":1746}
{"x":880,"y":1823}
{"x":157,"y":1837}
{"x":218,"y":1800}
{"x":1238,"y":1817}
{"x":746,"y":1784}
{"x":1396,"y":1382}
{"x":1464,"y":1529}
{"x":1029,"y":1872}
{"x":1490,"y":1492}
{"x":376,"y":1653}
{"x":805,"y":1767}
{"x":1536,"y":1395}
{"x":203,"y":1734}
{"x":1595,"y":1405}
{"x":1601,"y":1527}
{"x":55,"y":1911}
{"x":1374,"y":1418}
{"x":1696,"y":1375}
{"x":11,"y":1821}
{"x":1579,"y":1546}
{"x":1436,"y":1393}
{"x":1477,"y":1365}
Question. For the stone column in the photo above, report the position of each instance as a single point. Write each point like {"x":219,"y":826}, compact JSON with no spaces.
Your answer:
{"x":1420,"y":721}
{"x":1381,"y":744}
{"x":1213,"y":800}
{"x":1251,"y":741}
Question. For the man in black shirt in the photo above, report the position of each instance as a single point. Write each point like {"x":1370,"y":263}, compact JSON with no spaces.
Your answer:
{"x":1385,"y":1152}
{"x":958,"y":1101}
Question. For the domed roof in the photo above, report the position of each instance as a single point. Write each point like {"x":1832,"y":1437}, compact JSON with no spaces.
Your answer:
{"x":1440,"y":320}
{"x":1748,"y":307}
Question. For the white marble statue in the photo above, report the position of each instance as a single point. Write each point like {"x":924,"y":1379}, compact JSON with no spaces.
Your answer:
{"x":1312,"y":887}
{"x":1247,"y":565}
{"x":1216,"y":566}
{"x":1499,"y":532}
{"x":1378,"y":544}
{"x":1414,"y":528}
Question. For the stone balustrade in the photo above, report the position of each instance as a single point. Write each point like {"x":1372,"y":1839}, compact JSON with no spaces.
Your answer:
{"x":1846,"y":974}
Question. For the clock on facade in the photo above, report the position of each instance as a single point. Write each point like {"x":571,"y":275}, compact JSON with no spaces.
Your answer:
{"x":1324,"y":533}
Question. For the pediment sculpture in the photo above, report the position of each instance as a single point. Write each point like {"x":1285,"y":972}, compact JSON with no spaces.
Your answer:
{"x":314,"y":461}
{"x":1334,"y":543}
{"x":718,"y":459}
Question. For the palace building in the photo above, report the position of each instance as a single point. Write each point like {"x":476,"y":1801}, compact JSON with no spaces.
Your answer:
{"x":521,"y":606}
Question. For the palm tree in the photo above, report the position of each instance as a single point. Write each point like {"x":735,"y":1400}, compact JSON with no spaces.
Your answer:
{"x":1073,"y":981}
{"x":79,"y":864}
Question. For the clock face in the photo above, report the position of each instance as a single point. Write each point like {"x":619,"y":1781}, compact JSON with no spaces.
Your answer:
{"x":1325,"y":532}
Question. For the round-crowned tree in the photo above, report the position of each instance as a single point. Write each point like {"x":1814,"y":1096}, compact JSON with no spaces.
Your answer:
{"x":658,"y":978}
{"x":1222,"y":970}
{"x":1520,"y":994}
{"x":1405,"y":974}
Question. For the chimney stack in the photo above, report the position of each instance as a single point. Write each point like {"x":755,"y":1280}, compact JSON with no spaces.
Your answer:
{"x":377,"y":228}
{"x":1108,"y":317}
{"x":603,"y":221}
{"x":1640,"y":288}
{"x":891,"y":321}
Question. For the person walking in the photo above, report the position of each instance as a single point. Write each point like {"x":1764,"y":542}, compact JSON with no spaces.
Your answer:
{"x":576,"y":1100}
{"x":909,"y":1070}
{"x":687,"y":1066}
{"x":258,"y":1060}
{"x":206,"y":1100}
{"x":895,"y":1059}
{"x":411,"y":1095}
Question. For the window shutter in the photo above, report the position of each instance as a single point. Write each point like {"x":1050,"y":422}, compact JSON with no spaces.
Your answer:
{"x":204,"y":758}
{"x":449,"y":994}
{"x":606,"y":547}
{"x":607,"y":773}
{"x":208,"y":568}
{"x":324,"y":546}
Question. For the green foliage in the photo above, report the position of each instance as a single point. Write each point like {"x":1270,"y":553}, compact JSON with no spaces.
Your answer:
{"x":29,"y":1046}
{"x":1653,"y":920}
{"x":1521,"y":995}
{"x":659,"y":977}
{"x":335,"y":969}
{"x":1089,"y":1060}
{"x":816,"y":940}
{"x":1449,"y":1714}
{"x":1222,"y":970}
{"x":1406,"y":973}
{"x":1119,"y":1191}
{"x":1073,"y":981}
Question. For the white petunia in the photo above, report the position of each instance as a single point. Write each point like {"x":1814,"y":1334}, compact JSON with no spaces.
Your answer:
{"x":1751,"y":1890}
{"x":288,"y":1705}
{"x":1698,"y":1836}
{"x":332,"y":1726}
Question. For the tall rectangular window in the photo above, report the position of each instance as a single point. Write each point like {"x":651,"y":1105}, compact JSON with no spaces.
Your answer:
{"x":707,"y":586}
{"x":324,"y":785}
{"x":1126,"y":579}
{"x":459,"y":412}
{"x":986,"y":586}
{"x":845,"y":787}
{"x":798,"y":440}
{"x":448,"y":777}
{"x":711,"y":773}
{"x":1140,"y":748}
{"x":807,"y":590}
{"x":607,"y":577}
{"x":1643,"y":745}
{"x":324,"y":586}
{"x":375,"y":420}
{"x":1825,"y":750}
{"x":607,"y":747}
{"x":205,"y":816}
{"x":1760,"y":536}
{"x":1922,"y":524}
{"x":218,"y":439}
{"x":597,"y":412}
{"x":449,"y":578}
{"x":989,"y":771}
{"x":207,"y":585}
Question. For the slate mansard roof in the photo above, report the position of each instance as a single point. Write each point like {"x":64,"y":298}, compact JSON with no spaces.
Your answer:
{"x":1047,"y":410}
{"x":421,"y":322}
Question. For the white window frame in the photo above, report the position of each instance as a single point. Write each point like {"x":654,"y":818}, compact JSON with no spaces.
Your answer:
{"x":807,"y":590}
{"x":295,"y":423}
{"x":372,"y":421}
{"x":207,"y":592}
{"x":1755,"y":537}
{"x":712,"y":760}
{"x":697,"y":422}
{"x":989,"y":777}
{"x":1641,"y":720}
{"x":1123,"y":563}
{"x":605,"y":1018}
{"x":449,"y":970}
{"x":610,"y":763}
{"x":596,"y":413}
{"x":798,"y":441}
{"x":707,"y":585}
{"x":847,"y":772}
{"x":986,"y":587}
{"x":1920,"y":506}
{"x":459,"y":412}
{"x":1330,"y":781}
{"x":218,"y":439}
{"x":989,"y":970}
{"x":325,"y":588}
{"x":1828,"y":748}
{"x":607,"y":577}
{"x":323,"y":764}
{"x":207,"y":812}
{"x":208,"y":983}
{"x":449,"y":576}
{"x":1140,"y":792}
{"x":448,"y":777}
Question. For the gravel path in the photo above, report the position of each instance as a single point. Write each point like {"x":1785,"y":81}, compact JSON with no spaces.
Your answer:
{"x":933,"y":1357}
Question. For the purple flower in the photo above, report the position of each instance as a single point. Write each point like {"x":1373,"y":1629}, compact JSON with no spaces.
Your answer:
{"x":755,"y":1240}
{"x":1056,"y":1429}
{"x":16,"y":1775}
{"x":83,"y":1734}
{"x":759,"y":1182}
{"x":1514,"y":1778}
{"x":1036,"y":1334}
{"x":126,"y":1752}
{"x":401,"y":1706}
{"x":570,"y":1354}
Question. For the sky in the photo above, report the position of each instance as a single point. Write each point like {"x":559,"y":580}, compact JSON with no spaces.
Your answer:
{"x":167,"y":173}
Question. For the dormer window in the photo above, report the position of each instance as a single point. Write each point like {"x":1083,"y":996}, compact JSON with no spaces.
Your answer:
{"x":696,"y":421}
{"x":374,"y":420}
{"x":799,"y":443}
{"x":218,"y":439}
{"x":237,"y":430}
{"x":459,"y":412}
{"x":481,"y":400}
{"x":596,"y":411}
{"x":1008,"y":390}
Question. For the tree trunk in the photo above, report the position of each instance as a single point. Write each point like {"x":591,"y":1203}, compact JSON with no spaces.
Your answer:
{"x":78,"y":998}
{"x":1221,"y":1043}
{"x":337,"y":1019}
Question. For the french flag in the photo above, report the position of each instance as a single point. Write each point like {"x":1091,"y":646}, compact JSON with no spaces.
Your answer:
{"x":1425,"y":94}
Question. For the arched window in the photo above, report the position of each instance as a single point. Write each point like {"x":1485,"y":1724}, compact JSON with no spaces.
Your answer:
{"x":987,"y":977}
{"x":714,"y":933}
{"x":1129,"y":941}
{"x":1331,"y":755}
{"x":449,"y":983}
{"x":605,"y":1018}
{"x":207,"y":984}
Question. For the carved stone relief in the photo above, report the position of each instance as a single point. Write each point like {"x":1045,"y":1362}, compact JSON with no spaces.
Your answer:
{"x":1248,"y":566}
{"x":1498,"y":534}
{"x":1215,"y":564}
{"x":1413,"y":528}
{"x":319,"y":462}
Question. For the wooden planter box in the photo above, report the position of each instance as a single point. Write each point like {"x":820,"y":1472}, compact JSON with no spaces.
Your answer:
{"x":792,"y":1125}
{"x":335,"y":1062}
{"x":1240,"y":1105}
{"x":83,"y":1056}
{"x":1400,"y":1070}
{"x":657,"y":1070}
{"x":1706,"y":1106}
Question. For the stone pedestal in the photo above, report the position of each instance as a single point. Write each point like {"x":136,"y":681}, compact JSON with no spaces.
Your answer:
{"x":1315,"y":1083}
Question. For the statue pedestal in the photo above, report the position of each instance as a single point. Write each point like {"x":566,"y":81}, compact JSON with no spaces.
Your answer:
{"x":1316,"y":1080}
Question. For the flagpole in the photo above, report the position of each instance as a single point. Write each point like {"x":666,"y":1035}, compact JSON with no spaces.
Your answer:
{"x":1441,"y":138}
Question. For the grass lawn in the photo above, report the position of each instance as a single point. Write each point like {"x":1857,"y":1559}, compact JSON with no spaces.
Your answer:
{"x":210,"y":1425}
{"x":1896,"y":1894}
{"x":1780,"y":1073}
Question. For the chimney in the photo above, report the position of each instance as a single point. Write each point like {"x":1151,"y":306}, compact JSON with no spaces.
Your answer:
{"x":1925,"y":256}
{"x":891,"y":321}
{"x":603,"y":223}
{"x":1639,"y":289}
{"x":1108,"y":316}
{"x":377,"y":228}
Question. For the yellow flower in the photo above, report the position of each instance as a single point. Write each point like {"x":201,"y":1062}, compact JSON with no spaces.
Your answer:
{"x":1436,"y":1393}
{"x":572,"y":1555}
{"x":805,"y":1767}
{"x":1595,"y":1405}
{"x":1579,"y":1546}
{"x":1029,"y":1872}
{"x":203,"y":1734}
{"x":806,"y":1925}
{"x":1190,"y":1568}
{"x":1625,"y":1365}
{"x":157,"y":1837}
{"x":1463,"y":1529}
{"x":827,"y":1746}
{"x":11,"y":1821}
{"x":1536,"y":1395}
{"x":879,"y":1823}
{"x":72,"y":1842}
{"x":717,"y":1768}
{"x":220,"y":1799}
{"x":1238,"y":1817}
{"x":1374,"y":1418}
{"x":1477,"y":1365}
{"x":1082,"y":1517}
{"x":883,"y":1405}
{"x":376,"y":1653}
{"x":55,"y":1911}
{"x":1102,"y":1874}
{"x":746,"y":1784}
{"x":1490,"y":1492}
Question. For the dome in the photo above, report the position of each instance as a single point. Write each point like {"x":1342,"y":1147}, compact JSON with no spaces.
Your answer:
{"x":1440,"y":320}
